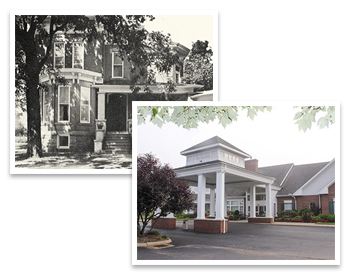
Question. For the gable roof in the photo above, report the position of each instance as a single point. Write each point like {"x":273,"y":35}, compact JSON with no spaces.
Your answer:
{"x":214,"y":141}
{"x":299,"y":175}
{"x":279,"y":172}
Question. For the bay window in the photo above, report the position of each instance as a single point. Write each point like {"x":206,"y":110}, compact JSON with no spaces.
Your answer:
{"x":84,"y":105}
{"x":63,"y":103}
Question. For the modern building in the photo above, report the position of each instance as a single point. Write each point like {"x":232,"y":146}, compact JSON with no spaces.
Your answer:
{"x":235,"y":182}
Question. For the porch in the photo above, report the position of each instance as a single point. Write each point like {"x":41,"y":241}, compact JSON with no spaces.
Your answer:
{"x":218,"y":176}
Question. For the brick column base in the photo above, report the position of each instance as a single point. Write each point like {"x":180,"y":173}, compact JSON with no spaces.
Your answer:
{"x":260,"y":220}
{"x":210,"y":226}
{"x":164,"y":223}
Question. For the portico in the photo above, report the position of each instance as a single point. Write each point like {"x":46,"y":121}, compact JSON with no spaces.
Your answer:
{"x":218,"y":165}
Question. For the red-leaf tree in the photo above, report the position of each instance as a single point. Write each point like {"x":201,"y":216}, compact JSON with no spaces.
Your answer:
{"x":158,"y":188}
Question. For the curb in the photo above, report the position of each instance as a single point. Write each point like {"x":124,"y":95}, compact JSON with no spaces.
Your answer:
{"x":303,"y":224}
{"x":150,"y":244}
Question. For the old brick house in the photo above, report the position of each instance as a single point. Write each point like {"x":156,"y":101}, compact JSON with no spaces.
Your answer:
{"x":90,"y":111}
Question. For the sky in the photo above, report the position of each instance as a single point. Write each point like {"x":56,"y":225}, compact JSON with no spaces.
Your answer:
{"x":184,"y":29}
{"x":272,"y":137}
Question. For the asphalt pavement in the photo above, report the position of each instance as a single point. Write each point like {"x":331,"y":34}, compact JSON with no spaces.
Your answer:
{"x":246,"y":241}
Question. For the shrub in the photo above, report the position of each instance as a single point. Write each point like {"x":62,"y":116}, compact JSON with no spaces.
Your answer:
{"x":323,"y":216}
{"x":297,"y":218}
{"x":290,"y":213}
{"x":153,"y":232}
{"x":237,"y":213}
{"x":306,"y":216}
{"x":280,"y":214}
{"x":304,"y":210}
{"x":316,"y":218}
{"x":331,"y":218}
{"x":235,"y":217}
{"x":314,"y":210}
{"x":165,"y":237}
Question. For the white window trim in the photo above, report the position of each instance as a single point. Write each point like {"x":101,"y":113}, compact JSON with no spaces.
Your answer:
{"x":113,"y":53}
{"x":58,"y":141}
{"x":73,"y":55}
{"x":81,"y":121}
{"x":44,"y":92}
{"x":58,"y":99}
{"x":64,"y":54}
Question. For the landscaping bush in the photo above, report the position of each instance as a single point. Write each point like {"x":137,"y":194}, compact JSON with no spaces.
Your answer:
{"x":280,"y":214}
{"x":316,"y":218}
{"x":304,"y":210}
{"x":290,"y":213}
{"x":236,"y":213}
{"x":306,"y":216}
{"x":165,"y":237}
{"x":315,"y":210}
{"x":297,"y":218}
{"x":153,"y":232}
{"x":331,"y":218}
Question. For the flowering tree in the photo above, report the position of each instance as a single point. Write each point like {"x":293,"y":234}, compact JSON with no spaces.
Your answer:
{"x":158,"y":188}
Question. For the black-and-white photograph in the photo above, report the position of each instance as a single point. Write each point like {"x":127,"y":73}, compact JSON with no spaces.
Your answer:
{"x":77,"y":75}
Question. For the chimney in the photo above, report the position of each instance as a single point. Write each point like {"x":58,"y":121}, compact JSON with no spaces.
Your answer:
{"x":251,"y":164}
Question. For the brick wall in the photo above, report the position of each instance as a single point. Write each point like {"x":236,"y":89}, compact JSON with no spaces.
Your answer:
{"x":251,"y":165}
{"x":164,"y":223}
{"x":325,"y":199}
{"x":281,"y":200}
{"x":304,"y":201}
{"x":210,"y":226}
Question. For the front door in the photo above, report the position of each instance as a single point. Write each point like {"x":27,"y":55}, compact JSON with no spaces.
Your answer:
{"x":116,"y":112}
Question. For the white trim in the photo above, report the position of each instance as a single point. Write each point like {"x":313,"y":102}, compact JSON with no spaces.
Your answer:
{"x":58,"y":104}
{"x":89,"y":104}
{"x":298,"y":191}
{"x":113,"y":54}
{"x":324,"y":190}
{"x":64,"y":54}
{"x":213,"y":146}
{"x":287,"y":174}
{"x":58,"y":141}
{"x":73,"y":45}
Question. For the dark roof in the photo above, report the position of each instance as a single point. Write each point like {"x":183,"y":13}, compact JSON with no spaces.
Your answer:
{"x":299,"y":175}
{"x":278,"y":172}
{"x":215,"y":140}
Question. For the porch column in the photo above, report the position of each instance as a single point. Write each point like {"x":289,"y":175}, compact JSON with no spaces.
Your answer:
{"x":100,"y":123}
{"x":225,"y":203}
{"x":201,"y":197}
{"x":252,"y":201}
{"x":268,"y":200}
{"x":220,"y":194}
{"x":212,"y":202}
{"x":101,"y":105}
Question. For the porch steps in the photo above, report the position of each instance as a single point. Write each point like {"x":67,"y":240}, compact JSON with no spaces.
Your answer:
{"x":117,"y":143}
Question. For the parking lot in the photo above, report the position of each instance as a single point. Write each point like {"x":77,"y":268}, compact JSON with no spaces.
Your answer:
{"x":246,"y":241}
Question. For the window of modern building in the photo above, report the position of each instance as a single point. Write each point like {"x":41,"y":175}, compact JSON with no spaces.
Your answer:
{"x":288,"y":205}
{"x":63,"y":103}
{"x":117,"y":66}
{"x":59,"y":53}
{"x":233,"y":205}
{"x":84,"y":105}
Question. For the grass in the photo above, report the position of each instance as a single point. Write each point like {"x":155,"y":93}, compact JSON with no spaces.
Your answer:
{"x":70,"y":161}
{"x":330,"y":223}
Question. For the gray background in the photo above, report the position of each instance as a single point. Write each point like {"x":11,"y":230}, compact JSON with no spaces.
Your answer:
{"x":86,"y":219}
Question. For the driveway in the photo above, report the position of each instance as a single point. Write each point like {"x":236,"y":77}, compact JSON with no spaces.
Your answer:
{"x":246,"y":241}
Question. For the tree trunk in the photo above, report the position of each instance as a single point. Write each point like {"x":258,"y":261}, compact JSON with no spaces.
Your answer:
{"x":34,"y":148}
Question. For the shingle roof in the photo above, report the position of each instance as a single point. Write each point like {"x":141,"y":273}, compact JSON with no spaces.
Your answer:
{"x":215,"y":140}
{"x":278,"y":172}
{"x":299,"y":175}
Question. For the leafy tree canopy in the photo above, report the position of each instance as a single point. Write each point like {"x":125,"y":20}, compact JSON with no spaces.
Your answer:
{"x":189,"y":116}
{"x":159,"y":188}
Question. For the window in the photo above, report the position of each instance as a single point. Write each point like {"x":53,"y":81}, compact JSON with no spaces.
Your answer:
{"x":288,"y":205}
{"x":63,"y":141}
{"x":117,"y":66}
{"x":84,"y":105}
{"x":234,"y":205}
{"x":177,"y":74}
{"x":78,"y":55}
{"x":63,"y":104}
{"x":260,"y":197}
{"x":46,"y":106}
{"x":59,"y":54}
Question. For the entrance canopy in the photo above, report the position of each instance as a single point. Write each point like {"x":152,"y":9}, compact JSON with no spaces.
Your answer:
{"x":218,"y":165}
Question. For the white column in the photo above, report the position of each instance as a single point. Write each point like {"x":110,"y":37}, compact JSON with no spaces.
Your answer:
{"x":201,"y":197}
{"x":225,"y":204}
{"x":101,"y":105}
{"x":252,"y":201}
{"x":212,"y":202}
{"x":220,"y":194}
{"x":268,"y":200}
